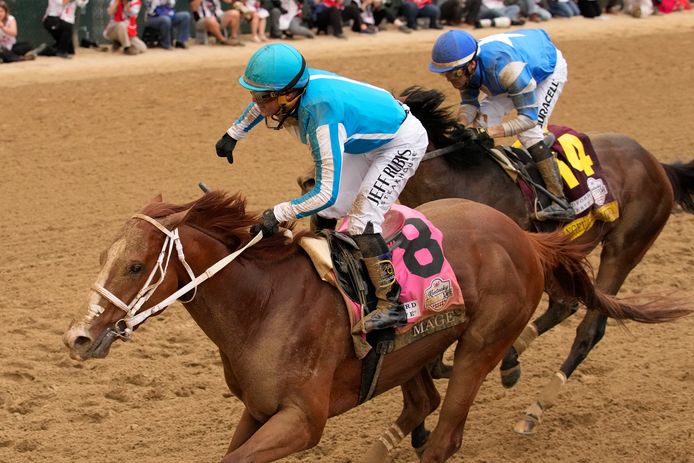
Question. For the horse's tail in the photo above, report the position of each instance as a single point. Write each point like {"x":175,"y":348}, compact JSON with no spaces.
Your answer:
{"x":682,"y":180}
{"x":566,"y":261}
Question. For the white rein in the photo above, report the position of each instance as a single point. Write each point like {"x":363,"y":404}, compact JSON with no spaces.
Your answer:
{"x":132,"y":317}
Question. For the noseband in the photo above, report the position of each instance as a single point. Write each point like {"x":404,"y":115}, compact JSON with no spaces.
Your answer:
{"x":124,"y":327}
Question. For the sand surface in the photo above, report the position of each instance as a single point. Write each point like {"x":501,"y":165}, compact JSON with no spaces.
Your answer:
{"x":87,"y":142}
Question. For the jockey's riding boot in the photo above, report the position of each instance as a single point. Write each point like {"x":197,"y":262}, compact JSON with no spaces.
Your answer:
{"x":389,"y":312}
{"x":549,"y":170}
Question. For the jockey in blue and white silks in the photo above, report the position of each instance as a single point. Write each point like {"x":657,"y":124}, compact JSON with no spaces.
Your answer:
{"x":365,"y":146}
{"x":347,"y":125}
{"x":520,"y":70}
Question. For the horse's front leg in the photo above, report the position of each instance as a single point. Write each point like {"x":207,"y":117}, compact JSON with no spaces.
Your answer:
{"x":556,"y":313}
{"x":244,"y":430}
{"x":290,"y":430}
{"x":421,"y":398}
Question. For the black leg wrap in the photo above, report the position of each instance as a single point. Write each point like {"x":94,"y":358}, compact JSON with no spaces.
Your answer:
{"x":419,"y":436}
{"x":539,"y":151}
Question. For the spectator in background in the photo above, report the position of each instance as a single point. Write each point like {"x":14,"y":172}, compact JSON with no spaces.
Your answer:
{"x":59,"y":21}
{"x":534,"y":10}
{"x":275,"y":10}
{"x":671,"y":6}
{"x":452,"y":12}
{"x":413,"y":9}
{"x":563,"y":8}
{"x":12,"y":51}
{"x":162,"y":17}
{"x":327,"y":13}
{"x":209,"y":14}
{"x":493,"y":13}
{"x":638,"y":8}
{"x":357,"y":11}
{"x":615,"y":6}
{"x":289,"y":22}
{"x":122,"y":27}
{"x":256,"y":16}
{"x":388,"y":10}
{"x":590,"y":9}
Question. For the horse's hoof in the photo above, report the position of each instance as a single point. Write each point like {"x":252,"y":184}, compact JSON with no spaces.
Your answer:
{"x":527,"y":426}
{"x":510,"y":376}
{"x":378,"y":453}
{"x":420,"y":450}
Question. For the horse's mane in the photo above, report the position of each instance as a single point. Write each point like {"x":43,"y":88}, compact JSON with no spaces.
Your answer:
{"x":224,"y":216}
{"x":442,"y":126}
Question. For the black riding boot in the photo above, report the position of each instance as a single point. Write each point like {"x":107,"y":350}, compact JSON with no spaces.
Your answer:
{"x":547,"y":166}
{"x":389,"y":312}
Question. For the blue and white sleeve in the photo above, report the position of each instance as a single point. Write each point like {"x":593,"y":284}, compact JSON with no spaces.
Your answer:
{"x":327,"y":148}
{"x":521,"y":87}
{"x":247,"y":120}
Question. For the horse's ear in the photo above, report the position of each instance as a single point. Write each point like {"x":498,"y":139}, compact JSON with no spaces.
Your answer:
{"x":174,"y":220}
{"x":157,"y":199}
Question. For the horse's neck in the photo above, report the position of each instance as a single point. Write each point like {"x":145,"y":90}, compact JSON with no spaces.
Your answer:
{"x":228,"y":305}
{"x":484,"y":182}
{"x":252,"y":300}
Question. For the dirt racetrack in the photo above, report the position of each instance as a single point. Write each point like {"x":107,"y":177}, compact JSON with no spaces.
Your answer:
{"x":85,"y":143}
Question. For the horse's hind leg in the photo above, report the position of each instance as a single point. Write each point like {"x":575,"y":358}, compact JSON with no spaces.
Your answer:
{"x":420,"y":398}
{"x":556,"y":313}
{"x":619,"y":256}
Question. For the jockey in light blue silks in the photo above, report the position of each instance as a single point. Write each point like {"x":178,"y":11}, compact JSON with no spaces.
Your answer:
{"x":520,"y":70}
{"x":365,"y":146}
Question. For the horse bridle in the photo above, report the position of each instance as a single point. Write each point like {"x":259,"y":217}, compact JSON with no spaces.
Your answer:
{"x":124,"y":327}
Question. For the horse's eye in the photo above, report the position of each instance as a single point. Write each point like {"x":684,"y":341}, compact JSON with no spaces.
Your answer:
{"x":135,"y":268}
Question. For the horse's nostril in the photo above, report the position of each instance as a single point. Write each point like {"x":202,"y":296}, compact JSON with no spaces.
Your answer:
{"x":82,"y":341}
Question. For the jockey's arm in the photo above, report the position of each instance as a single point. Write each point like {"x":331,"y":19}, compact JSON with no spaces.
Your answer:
{"x":516,"y":78}
{"x":327,"y":148}
{"x":249,"y":118}
{"x":469,"y":106}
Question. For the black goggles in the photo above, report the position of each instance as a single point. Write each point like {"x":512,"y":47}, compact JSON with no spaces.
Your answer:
{"x":456,"y":73}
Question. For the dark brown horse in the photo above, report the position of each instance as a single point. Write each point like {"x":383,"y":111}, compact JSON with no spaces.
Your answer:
{"x":283,"y":333}
{"x":646,"y":189}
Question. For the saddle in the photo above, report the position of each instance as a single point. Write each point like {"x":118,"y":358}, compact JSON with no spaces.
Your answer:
{"x":429,"y":290}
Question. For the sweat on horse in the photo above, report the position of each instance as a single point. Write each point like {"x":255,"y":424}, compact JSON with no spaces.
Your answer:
{"x":283,"y":333}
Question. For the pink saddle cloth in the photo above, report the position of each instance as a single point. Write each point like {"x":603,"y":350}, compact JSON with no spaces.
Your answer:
{"x":428,"y":283}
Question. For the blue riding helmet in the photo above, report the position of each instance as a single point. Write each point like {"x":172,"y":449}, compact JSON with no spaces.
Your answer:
{"x":277,"y":67}
{"x":453,"y":49}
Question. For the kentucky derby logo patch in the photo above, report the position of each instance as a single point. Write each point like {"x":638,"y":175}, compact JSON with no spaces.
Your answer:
{"x":437,"y":294}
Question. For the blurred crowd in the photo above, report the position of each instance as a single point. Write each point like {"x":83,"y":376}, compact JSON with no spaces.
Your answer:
{"x":235,"y":22}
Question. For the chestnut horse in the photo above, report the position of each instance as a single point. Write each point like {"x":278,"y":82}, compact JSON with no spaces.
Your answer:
{"x":647,"y":192}
{"x":283,"y":333}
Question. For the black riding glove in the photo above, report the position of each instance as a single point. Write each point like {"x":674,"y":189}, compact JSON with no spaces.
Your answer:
{"x":268,"y":224}
{"x":225,"y":147}
{"x":482,"y":137}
